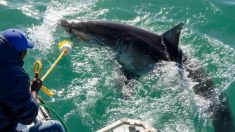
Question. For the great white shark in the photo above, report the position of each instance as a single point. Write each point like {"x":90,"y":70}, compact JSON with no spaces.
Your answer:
{"x":139,"y":46}
{"x":138,"y":49}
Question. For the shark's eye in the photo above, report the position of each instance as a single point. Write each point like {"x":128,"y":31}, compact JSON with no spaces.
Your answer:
{"x":70,"y":30}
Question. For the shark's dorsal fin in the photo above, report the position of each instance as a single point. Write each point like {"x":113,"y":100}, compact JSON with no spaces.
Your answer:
{"x":172,"y":35}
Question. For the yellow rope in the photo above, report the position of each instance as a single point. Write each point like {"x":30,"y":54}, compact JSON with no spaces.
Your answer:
{"x":37,"y":68}
{"x":65,"y":47}
{"x":37,"y":71}
{"x":47,"y":91}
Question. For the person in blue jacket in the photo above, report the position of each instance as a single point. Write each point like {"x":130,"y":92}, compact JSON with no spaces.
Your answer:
{"x":17,"y":98}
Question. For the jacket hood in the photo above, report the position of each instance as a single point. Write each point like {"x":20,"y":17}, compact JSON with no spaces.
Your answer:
{"x":8,"y":55}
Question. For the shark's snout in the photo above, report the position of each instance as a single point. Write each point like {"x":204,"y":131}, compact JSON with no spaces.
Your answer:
{"x":65,"y":24}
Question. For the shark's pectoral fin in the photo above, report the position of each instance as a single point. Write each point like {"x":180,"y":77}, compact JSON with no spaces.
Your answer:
{"x":172,"y":35}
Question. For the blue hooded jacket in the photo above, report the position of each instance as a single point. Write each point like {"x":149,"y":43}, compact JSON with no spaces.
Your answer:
{"x":16,"y":102}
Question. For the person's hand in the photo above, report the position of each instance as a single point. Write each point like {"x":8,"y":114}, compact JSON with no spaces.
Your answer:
{"x":36,"y":84}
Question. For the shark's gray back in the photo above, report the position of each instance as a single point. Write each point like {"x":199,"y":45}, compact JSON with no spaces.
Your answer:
{"x":149,"y":42}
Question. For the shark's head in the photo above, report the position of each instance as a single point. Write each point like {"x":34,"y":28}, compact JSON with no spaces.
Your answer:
{"x":71,"y":27}
{"x":78,"y":29}
{"x":66,"y":25}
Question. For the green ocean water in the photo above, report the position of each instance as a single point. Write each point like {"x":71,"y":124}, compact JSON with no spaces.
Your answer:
{"x":88,"y":83}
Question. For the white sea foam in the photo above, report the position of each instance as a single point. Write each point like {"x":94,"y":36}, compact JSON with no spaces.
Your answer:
{"x":30,"y":11}
{"x":3,"y":2}
{"x":44,"y":35}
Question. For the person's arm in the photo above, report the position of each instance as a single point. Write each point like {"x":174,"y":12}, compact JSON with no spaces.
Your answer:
{"x":35,"y":87}
{"x":34,"y":94}
{"x":22,"y":105}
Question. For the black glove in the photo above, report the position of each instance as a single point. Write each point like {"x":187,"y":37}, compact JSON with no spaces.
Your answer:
{"x":36,"y":84}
